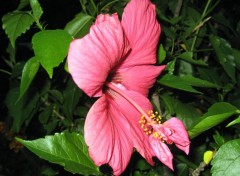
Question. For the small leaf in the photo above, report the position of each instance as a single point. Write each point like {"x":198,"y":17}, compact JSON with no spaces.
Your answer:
{"x":216,"y":114}
{"x":236,"y":121}
{"x":36,"y":8}
{"x":161,"y":54}
{"x":66,"y":149}
{"x":227,"y":159}
{"x":80,"y":25}
{"x":50,"y":48}
{"x":219,"y":140}
{"x":176,"y":83}
{"x":30,"y":69}
{"x":16,"y":23}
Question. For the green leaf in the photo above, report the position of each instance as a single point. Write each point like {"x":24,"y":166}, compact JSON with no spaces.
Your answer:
{"x":176,"y":83}
{"x":66,"y":149}
{"x":16,"y":23}
{"x":50,"y":48}
{"x":22,"y":4}
{"x":185,"y":112}
{"x":161,"y":54}
{"x":80,"y":25}
{"x":235,"y":121}
{"x":30,"y":69}
{"x":71,"y":95}
{"x":198,"y":82}
{"x":22,"y":111}
{"x":218,"y":139}
{"x":188,"y":57}
{"x":226,"y":160}
{"x":36,"y":8}
{"x":216,"y":114}
{"x":225,"y":55}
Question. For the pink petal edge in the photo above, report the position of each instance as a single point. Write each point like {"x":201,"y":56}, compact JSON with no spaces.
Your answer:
{"x":91,"y":58}
{"x":180,"y":136}
{"x":107,"y":133}
{"x":142,"y":30}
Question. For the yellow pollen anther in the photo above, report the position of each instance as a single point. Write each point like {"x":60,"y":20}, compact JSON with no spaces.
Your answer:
{"x":155,"y":134}
{"x":148,"y":123}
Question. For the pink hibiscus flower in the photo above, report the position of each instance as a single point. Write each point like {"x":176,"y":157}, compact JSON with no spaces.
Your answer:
{"x":115,"y":62}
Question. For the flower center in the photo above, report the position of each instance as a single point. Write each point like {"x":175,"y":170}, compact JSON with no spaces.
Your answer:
{"x":150,"y":122}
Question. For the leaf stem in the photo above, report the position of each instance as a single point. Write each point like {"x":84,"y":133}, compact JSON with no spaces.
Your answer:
{"x":4,"y":71}
{"x":54,"y":110}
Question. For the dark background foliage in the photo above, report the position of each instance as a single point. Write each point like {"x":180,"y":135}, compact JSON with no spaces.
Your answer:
{"x":190,"y":41}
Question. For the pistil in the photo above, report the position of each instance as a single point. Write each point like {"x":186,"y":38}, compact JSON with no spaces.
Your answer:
{"x":120,"y":92}
{"x":150,"y":122}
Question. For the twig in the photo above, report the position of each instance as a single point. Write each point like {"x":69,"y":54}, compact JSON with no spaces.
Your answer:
{"x":178,"y":8}
{"x":199,"y":169}
{"x":197,"y":31}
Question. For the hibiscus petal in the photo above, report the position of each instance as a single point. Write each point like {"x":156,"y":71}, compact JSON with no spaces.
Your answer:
{"x":180,"y":135}
{"x":139,"y":78}
{"x":91,"y":58}
{"x":140,"y":139}
{"x":107,"y":133}
{"x":142,"y":30}
{"x":162,"y":152}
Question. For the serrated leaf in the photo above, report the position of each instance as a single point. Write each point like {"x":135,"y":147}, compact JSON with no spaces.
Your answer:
{"x":66,"y":149}
{"x":36,"y":8}
{"x":227,"y":159}
{"x":199,"y":82}
{"x":176,"y":83}
{"x":216,"y":114}
{"x":50,"y":48}
{"x":30,"y":69}
{"x":16,"y":23}
{"x":80,"y":25}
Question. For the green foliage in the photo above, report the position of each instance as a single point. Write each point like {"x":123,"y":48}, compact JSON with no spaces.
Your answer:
{"x":224,"y":162}
{"x":215,"y":115}
{"x":66,"y":149}
{"x":176,"y":83}
{"x":29,"y":71}
{"x":50,"y":48}
{"x":80,"y":25}
{"x":16,"y":23}
{"x":21,"y":111}
{"x":199,"y":44}
{"x":36,"y":9}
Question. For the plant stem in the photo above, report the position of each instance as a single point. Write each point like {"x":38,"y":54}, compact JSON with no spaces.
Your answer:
{"x":4,"y":71}
{"x":197,"y":31}
{"x":178,"y":8}
{"x":54,"y":110}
